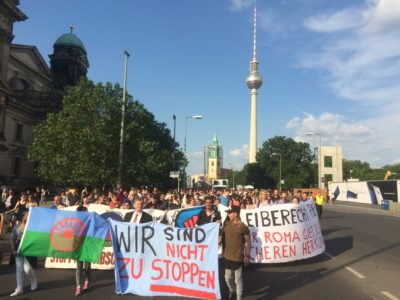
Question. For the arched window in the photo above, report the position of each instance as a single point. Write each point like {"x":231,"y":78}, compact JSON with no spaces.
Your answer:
{"x":21,"y":85}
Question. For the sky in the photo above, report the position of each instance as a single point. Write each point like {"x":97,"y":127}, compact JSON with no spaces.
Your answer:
{"x":328,"y":67}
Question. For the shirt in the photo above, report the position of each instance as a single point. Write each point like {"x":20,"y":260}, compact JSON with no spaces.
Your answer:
{"x":136,"y":218}
{"x":235,"y":240}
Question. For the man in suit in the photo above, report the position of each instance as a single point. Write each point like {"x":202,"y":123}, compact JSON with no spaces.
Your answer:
{"x":138,"y":216}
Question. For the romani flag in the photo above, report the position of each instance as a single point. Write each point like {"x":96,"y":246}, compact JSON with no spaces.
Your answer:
{"x":64,"y":234}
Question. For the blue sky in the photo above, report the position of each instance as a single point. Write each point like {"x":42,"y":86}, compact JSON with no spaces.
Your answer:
{"x":330,"y":67}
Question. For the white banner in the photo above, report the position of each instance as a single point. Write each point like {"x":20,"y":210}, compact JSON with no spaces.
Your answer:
{"x":155,"y":259}
{"x":279,"y":233}
{"x":282,"y":232}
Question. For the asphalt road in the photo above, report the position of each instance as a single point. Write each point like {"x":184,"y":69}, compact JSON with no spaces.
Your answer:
{"x":361,"y":261}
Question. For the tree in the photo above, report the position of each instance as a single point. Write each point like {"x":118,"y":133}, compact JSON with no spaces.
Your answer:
{"x":297,"y":167}
{"x":80,"y":144}
{"x":363,"y":171}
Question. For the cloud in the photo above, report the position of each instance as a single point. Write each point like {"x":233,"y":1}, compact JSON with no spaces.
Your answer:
{"x":197,"y":155}
{"x":295,"y":122}
{"x":242,"y":152}
{"x":361,"y":65}
{"x":357,"y":51}
{"x":367,"y":140}
{"x":344,"y":19}
{"x":241,"y":4}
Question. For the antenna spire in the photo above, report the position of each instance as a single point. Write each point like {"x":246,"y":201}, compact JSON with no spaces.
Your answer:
{"x":255,"y":33}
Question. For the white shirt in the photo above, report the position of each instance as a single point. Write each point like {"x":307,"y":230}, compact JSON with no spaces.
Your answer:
{"x":139,"y":216}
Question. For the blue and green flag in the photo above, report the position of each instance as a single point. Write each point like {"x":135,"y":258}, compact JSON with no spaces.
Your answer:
{"x":64,"y":234}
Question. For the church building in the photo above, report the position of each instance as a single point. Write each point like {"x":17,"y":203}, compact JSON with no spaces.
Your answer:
{"x":29,"y":89}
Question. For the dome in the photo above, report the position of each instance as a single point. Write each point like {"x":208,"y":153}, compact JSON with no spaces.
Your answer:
{"x":69,"y":39}
{"x":254,"y":80}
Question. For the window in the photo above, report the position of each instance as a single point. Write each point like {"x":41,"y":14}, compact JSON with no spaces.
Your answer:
{"x":19,"y":132}
{"x":328,"y":177}
{"x":212,"y":163}
{"x":17,"y":162}
{"x":328,"y":161}
{"x":21,"y":85}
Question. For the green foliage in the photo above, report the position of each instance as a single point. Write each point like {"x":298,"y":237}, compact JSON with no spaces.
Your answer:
{"x":297,"y":167}
{"x":363,"y":171}
{"x":80,"y":144}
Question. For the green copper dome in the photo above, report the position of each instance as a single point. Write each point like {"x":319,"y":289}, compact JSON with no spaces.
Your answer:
{"x":69,"y":39}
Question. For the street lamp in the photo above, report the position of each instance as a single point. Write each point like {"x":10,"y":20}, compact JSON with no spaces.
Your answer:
{"x":173,"y":162}
{"x":319,"y":158}
{"x":280,"y":170}
{"x":121,"y":138}
{"x":195,"y":117}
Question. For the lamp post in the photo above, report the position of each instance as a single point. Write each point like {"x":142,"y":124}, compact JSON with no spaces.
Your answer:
{"x":173,"y":162}
{"x":121,"y":139}
{"x":195,"y":117}
{"x":280,"y":170}
{"x":319,"y":158}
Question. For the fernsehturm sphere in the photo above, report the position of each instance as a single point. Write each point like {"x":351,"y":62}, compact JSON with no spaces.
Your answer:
{"x":254,"y":81}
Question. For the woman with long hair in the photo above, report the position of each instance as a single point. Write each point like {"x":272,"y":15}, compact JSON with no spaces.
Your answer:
{"x":21,"y":262}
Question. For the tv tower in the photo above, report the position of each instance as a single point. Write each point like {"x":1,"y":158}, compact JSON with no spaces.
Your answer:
{"x":254,"y":81}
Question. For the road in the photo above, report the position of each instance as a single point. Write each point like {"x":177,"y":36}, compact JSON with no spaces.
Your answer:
{"x":361,"y":261}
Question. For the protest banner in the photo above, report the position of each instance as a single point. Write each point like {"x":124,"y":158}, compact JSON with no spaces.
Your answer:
{"x":283,"y":232}
{"x":155,"y":259}
{"x":279,"y":233}
{"x":64,"y":234}
{"x":106,"y":261}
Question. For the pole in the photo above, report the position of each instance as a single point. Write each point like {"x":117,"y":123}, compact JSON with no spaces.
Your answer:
{"x":320,"y":162}
{"x":280,"y":173}
{"x":233,"y":178}
{"x":173,"y":163}
{"x":121,"y":140}
{"x":184,"y":151}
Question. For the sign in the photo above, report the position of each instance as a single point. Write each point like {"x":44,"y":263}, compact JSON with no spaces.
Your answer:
{"x":174,"y":174}
{"x":282,"y":232}
{"x":155,"y":259}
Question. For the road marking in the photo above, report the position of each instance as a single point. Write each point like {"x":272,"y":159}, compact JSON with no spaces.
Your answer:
{"x":389,"y":295}
{"x":394,"y":257}
{"x":331,"y":256}
{"x":359,"y":275}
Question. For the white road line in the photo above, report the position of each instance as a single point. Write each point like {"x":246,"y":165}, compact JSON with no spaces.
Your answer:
{"x":389,"y":295}
{"x":394,"y":257}
{"x":359,"y":275}
{"x":329,"y":255}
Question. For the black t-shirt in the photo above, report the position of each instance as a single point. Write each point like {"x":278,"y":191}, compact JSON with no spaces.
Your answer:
{"x":204,"y":218}
{"x":2,"y":207}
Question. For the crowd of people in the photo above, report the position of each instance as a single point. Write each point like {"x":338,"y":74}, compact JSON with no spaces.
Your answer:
{"x":234,"y":234}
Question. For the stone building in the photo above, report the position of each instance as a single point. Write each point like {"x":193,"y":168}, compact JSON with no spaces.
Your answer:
{"x":29,"y":89}
{"x":213,"y":160}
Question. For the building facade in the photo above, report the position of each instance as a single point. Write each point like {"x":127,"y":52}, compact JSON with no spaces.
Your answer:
{"x":332,"y":164}
{"x":29,"y":89}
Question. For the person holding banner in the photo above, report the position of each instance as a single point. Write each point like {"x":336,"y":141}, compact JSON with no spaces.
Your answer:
{"x":208,"y":214}
{"x":21,"y":262}
{"x":80,"y":266}
{"x":138,"y":215}
{"x":235,"y":236}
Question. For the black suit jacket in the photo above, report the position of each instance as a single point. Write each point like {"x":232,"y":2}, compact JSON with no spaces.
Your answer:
{"x":145,"y":218}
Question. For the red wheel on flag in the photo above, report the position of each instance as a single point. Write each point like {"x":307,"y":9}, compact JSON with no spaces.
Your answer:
{"x":68,"y":234}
